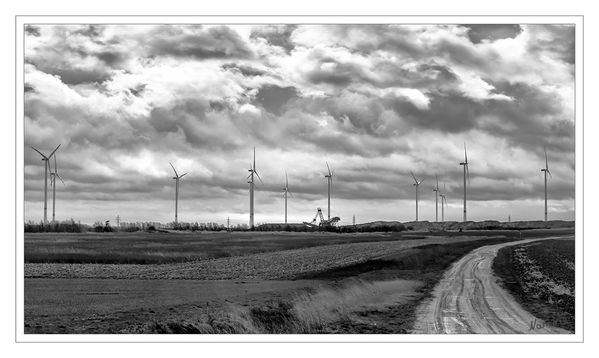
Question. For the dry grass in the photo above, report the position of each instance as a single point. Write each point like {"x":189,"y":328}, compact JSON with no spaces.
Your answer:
{"x":307,"y":313}
{"x":328,"y":305}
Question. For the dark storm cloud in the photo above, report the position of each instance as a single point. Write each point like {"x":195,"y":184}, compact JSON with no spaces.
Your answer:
{"x":276,"y":35}
{"x":274,"y":98}
{"x":492,"y":32}
{"x":32,"y":30}
{"x":91,"y":31}
{"x":448,"y":112}
{"x":330,"y":71}
{"x":559,"y":42}
{"x":111,"y":58}
{"x":536,"y":117}
{"x":70,"y":57}
{"x":214,"y":42}
{"x":189,"y":119}
{"x":244,"y":70}
{"x":77,"y":76}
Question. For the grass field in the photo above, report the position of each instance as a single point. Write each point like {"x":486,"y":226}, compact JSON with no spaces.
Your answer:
{"x":159,"y":248}
{"x":162,"y":248}
{"x":541,"y":277}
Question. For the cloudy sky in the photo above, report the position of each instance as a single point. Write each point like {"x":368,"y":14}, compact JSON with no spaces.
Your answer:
{"x":375,"y":101}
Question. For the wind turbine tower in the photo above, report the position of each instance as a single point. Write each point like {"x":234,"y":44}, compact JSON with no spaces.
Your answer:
{"x":546,"y":171}
{"x":416,"y":184}
{"x":285,"y":192}
{"x":177,"y":177}
{"x":46,"y":160}
{"x":53,"y":176}
{"x":436,"y":190}
{"x":329,"y":177}
{"x":466,"y":173}
{"x":253,"y":172}
{"x":443,"y":203}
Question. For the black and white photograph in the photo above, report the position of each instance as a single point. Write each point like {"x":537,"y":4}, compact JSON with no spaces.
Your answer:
{"x":299,"y":179}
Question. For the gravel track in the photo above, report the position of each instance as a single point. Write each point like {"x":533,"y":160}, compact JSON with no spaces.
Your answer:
{"x":470,"y":300}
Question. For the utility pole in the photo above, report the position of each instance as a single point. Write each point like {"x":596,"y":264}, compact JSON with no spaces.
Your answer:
{"x":354,"y":220}
{"x":228,"y":224}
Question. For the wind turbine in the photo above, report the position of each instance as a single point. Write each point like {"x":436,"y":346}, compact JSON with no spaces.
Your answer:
{"x":436,"y":190}
{"x":329,"y":177}
{"x":177,"y":177}
{"x":285,"y":192}
{"x":46,"y":160}
{"x":546,"y":171}
{"x":466,"y":173}
{"x":53,"y":176}
{"x":416,"y":184}
{"x":252,"y":171}
{"x":443,"y":202}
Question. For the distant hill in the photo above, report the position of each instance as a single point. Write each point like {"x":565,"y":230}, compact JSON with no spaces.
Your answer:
{"x":468,"y":225}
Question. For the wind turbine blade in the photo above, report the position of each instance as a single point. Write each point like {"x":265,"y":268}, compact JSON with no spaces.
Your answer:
{"x":468,"y":173}
{"x":437,"y":178}
{"x":286,"y":180}
{"x":174,"y":169}
{"x":328,"y":168}
{"x":182,"y":175}
{"x":54,"y":151}
{"x":548,"y":172}
{"x":56,"y":174}
{"x":413,"y":176}
{"x":421,"y":181}
{"x":55,"y":167}
{"x":546,"y":161}
{"x":465,"y":154}
{"x":290,"y":193}
{"x":254,"y":167}
{"x":258,"y":175}
{"x":40,"y":153}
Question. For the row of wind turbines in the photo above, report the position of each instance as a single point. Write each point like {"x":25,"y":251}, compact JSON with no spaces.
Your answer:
{"x":286,"y":192}
{"x":443,"y":194}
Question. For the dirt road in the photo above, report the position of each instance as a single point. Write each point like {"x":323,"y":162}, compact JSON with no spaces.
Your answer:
{"x":469,"y":300}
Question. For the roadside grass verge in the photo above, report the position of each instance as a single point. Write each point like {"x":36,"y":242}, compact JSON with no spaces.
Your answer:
{"x":376,"y":296}
{"x":540,"y":276}
{"x":304,"y":314}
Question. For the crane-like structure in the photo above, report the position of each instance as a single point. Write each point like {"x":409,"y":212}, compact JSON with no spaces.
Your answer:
{"x":323,"y":222}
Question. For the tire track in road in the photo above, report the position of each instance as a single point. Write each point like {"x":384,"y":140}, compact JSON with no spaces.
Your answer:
{"x":469,"y":300}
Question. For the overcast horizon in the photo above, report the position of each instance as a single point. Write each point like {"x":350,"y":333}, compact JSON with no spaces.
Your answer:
{"x":374,"y":101}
